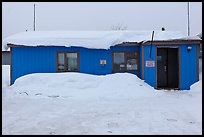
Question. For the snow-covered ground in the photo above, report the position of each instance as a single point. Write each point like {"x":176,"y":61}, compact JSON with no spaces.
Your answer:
{"x":74,"y":103}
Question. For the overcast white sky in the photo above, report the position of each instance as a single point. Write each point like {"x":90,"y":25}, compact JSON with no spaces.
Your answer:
{"x":18,"y":16}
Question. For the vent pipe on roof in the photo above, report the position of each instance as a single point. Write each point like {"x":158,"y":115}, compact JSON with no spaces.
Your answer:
{"x":163,"y":29}
{"x":151,"y":45}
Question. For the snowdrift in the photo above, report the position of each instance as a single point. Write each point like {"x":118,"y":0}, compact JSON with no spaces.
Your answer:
{"x":119,"y":85}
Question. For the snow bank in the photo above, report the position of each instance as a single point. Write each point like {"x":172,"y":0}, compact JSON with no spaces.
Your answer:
{"x":197,"y":87}
{"x":88,"y":39}
{"x":81,"y":85}
{"x":83,"y":104}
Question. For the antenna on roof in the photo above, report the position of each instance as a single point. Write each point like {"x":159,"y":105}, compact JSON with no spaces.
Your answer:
{"x":34,"y":18}
{"x":188,"y":20}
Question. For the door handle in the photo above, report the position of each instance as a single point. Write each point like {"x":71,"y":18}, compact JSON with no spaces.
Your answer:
{"x":165,"y":68}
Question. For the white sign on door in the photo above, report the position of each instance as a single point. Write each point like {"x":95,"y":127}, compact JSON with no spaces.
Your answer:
{"x":150,"y":64}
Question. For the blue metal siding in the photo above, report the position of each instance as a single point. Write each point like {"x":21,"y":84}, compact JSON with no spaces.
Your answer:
{"x":188,"y":66}
{"x":90,"y":61}
{"x":27,"y":60}
{"x":150,"y":72}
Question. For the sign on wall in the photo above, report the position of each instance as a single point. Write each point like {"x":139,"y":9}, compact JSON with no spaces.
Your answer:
{"x":150,"y":63}
{"x":102,"y":62}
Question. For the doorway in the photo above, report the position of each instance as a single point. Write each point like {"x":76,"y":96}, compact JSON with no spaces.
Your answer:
{"x":167,"y":68}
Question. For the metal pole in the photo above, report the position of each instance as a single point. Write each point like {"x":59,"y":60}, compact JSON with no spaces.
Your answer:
{"x":188,"y":21}
{"x":34,"y":18}
{"x":151,"y":45}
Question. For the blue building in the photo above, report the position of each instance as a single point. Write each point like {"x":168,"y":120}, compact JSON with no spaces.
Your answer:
{"x":163,"y":64}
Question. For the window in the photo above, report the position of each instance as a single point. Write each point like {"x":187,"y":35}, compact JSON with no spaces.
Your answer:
{"x":126,"y":61}
{"x":132,"y":59}
{"x":61,"y":64}
{"x":67,"y":61}
{"x":119,"y":61}
{"x":72,"y":61}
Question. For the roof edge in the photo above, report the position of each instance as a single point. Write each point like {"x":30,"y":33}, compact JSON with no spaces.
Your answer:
{"x":172,"y":42}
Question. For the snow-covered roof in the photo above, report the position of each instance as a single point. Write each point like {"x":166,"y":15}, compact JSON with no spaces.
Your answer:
{"x":5,"y":48}
{"x":88,"y":39}
{"x":200,"y":35}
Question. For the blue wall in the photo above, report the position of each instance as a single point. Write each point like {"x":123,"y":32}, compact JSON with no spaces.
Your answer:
{"x":189,"y":71}
{"x":188,"y":65}
{"x":150,"y":72}
{"x":26,"y":60}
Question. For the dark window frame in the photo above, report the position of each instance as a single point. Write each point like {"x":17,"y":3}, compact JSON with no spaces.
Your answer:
{"x":66,"y":62}
{"x":125,"y":61}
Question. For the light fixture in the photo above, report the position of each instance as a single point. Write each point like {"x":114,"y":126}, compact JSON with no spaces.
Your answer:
{"x":189,"y":48}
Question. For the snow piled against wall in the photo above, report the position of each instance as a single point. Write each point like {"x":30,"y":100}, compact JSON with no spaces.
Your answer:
{"x":69,"y":84}
{"x":87,"y":39}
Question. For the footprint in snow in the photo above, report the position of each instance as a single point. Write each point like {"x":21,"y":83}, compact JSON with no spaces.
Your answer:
{"x":173,"y":120}
{"x":23,"y":92}
{"x":38,"y":94}
{"x":52,"y":133}
{"x":112,"y":125}
{"x":54,"y":96}
{"x":109,"y":131}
